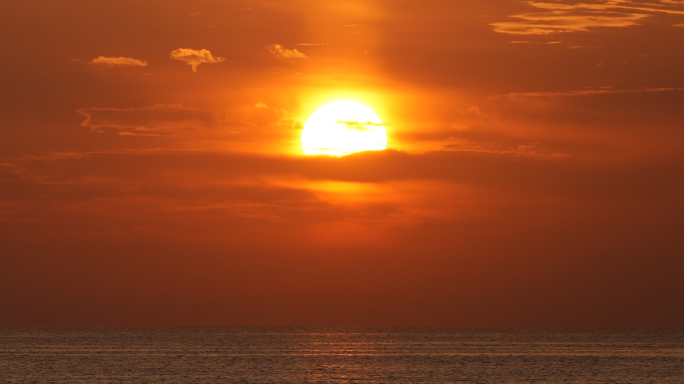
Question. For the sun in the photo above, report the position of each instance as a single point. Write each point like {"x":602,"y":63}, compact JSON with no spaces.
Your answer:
{"x":341,"y":128}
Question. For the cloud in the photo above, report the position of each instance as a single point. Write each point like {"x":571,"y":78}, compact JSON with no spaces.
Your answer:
{"x":262,"y":115}
{"x":126,"y":133}
{"x":195,"y":57}
{"x":222,"y":216}
{"x":536,"y":42}
{"x":280,"y":51}
{"x":561,"y":21}
{"x":148,"y":121}
{"x":616,"y":5}
{"x":582,"y":17}
{"x":112,"y":61}
{"x":586,"y":92}
{"x":566,"y":176}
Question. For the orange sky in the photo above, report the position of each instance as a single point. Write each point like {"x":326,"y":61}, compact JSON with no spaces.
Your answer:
{"x":151,"y":171}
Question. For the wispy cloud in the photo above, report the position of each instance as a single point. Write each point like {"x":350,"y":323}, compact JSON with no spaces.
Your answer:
{"x":280,"y":51}
{"x":582,"y":17}
{"x":112,"y":61}
{"x":536,"y":42}
{"x":614,"y":5}
{"x":562,"y":21}
{"x":126,"y":133}
{"x":586,"y":92}
{"x":148,"y":121}
{"x":262,"y":115}
{"x":195,"y":57}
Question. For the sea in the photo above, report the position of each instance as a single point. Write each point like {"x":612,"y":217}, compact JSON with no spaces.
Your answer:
{"x":340,"y":355}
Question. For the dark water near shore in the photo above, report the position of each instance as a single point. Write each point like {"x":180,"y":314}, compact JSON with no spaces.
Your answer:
{"x":309,"y":355}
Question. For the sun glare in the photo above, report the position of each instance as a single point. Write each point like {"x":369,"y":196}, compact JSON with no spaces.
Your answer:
{"x":341,"y":128}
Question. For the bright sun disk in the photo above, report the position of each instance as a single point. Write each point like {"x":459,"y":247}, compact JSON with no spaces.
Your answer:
{"x":341,"y":128}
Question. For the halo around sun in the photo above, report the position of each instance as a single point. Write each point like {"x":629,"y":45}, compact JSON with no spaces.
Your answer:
{"x":341,"y":128}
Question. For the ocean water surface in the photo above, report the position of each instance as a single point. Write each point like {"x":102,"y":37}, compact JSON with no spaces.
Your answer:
{"x":339,"y":355}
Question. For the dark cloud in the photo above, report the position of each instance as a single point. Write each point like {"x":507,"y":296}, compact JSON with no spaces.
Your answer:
{"x":565,"y":177}
{"x":154,"y":234}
